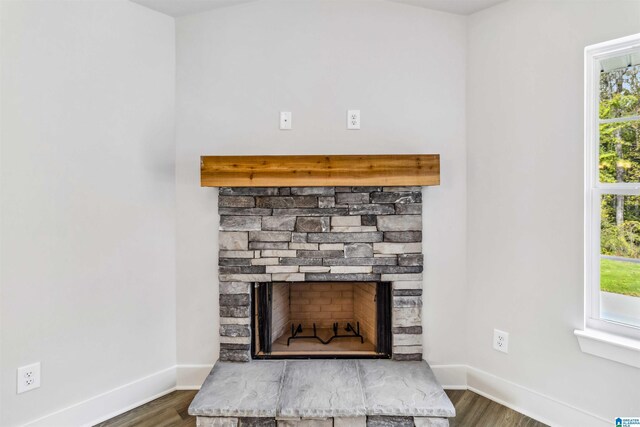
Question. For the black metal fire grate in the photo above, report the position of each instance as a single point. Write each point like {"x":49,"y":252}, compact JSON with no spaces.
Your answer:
{"x":354,"y":333}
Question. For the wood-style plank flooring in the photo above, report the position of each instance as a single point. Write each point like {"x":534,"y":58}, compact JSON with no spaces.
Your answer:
{"x":472,"y":410}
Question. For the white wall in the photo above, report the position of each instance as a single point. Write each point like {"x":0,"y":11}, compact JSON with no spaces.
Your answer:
{"x":402,"y":66}
{"x":525,"y":212}
{"x":88,"y":201}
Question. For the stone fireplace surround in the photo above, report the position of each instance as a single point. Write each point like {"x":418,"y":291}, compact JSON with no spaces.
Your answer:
{"x":320,"y":234}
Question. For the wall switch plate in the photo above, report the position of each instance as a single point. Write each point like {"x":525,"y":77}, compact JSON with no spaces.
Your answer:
{"x":285,"y":120}
{"x":501,"y":341}
{"x":28,"y":377}
{"x":353,"y":119}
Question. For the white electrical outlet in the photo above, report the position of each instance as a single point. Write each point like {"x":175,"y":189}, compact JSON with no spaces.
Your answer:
{"x":353,"y":119}
{"x":285,"y":120}
{"x":28,"y":377}
{"x":501,"y":341}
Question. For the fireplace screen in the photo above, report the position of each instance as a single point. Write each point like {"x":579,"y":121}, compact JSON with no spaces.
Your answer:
{"x":321,"y":320}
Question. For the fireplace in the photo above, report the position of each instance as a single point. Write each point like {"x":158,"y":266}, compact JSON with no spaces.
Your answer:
{"x":321,"y":320}
{"x":345,"y":259}
{"x":331,"y":272}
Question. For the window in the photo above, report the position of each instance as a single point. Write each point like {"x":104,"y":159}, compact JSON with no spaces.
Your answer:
{"x":612,"y":187}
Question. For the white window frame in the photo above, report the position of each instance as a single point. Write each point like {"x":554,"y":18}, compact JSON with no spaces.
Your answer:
{"x":594,"y":189}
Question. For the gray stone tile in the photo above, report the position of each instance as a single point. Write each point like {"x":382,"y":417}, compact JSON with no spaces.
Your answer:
{"x":352,"y":198}
{"x":396,"y":248}
{"x":312,"y":224}
{"x":407,"y":316}
{"x":244,"y":269}
{"x":235,"y":331}
{"x":313,"y":191}
{"x":234,"y":300}
{"x":342,"y":277}
{"x":397,"y":189}
{"x":403,"y":236}
{"x":365,"y":189}
{"x":397,"y":197}
{"x":382,"y":421}
{"x":400,"y":223}
{"x":350,"y":422}
{"x":240,"y":223}
{"x":360,"y":261}
{"x":371,"y":209}
{"x":410,"y":259}
{"x":321,"y":388}
{"x":236,"y":202}
{"x":312,"y":211}
{"x":257,"y":422}
{"x":320,"y":422}
{"x":358,"y":250}
{"x":287,"y":202}
{"x":248,"y":191}
{"x":234,"y":288}
{"x":246,"y":277}
{"x":396,"y":388}
{"x":285,"y":223}
{"x":406,"y":292}
{"x":430,"y":422}
{"x":269,"y":245}
{"x":216,"y":422}
{"x":394,"y":269}
{"x":240,"y":390}
{"x":367,"y":237}
{"x":270,"y":236}
{"x":244,"y":211}
{"x":326,"y":202}
{"x":401,"y":357}
{"x":409,"y":209}
{"x":234,"y":261}
{"x":233,"y":240}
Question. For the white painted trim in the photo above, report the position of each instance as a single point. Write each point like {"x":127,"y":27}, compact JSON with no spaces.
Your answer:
{"x":121,"y":399}
{"x":531,"y":403}
{"x":593,"y":188}
{"x":609,"y":346}
{"x":191,"y":377}
{"x":112,"y":402}
{"x":451,"y":377}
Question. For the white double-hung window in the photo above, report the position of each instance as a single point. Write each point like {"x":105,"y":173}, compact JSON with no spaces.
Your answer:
{"x":612,"y":192}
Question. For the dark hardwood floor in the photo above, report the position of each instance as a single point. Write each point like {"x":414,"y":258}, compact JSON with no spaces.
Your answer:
{"x":472,"y":411}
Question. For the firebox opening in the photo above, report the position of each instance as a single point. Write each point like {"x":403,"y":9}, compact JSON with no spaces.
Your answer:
{"x":321,"y":319}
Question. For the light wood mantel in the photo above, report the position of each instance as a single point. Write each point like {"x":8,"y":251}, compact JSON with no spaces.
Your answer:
{"x":320,"y":170}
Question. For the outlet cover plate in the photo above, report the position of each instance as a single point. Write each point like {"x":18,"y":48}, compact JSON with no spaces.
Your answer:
{"x":501,"y":340}
{"x":285,"y":120}
{"x":28,"y":377}
{"x":353,"y":119}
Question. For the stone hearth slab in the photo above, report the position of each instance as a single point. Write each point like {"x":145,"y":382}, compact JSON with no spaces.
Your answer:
{"x":240,"y":390}
{"x":403,"y":389}
{"x":321,"y":388}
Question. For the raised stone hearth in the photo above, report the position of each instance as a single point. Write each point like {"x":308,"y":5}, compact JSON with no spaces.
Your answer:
{"x":349,"y":393}
{"x":320,"y":234}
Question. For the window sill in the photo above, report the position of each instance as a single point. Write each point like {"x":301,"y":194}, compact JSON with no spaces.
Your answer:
{"x":609,"y":346}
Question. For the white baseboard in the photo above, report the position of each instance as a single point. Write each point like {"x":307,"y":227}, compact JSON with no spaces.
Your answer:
{"x":451,"y":377}
{"x":191,"y":377}
{"x":113,"y":402}
{"x":538,"y":406}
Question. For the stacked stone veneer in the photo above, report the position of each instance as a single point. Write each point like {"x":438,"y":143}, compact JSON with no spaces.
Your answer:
{"x":317,"y":234}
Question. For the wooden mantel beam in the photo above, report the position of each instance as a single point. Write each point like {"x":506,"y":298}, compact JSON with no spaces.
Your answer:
{"x":320,"y":171}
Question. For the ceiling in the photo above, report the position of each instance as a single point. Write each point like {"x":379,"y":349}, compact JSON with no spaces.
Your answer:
{"x":187,"y":7}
